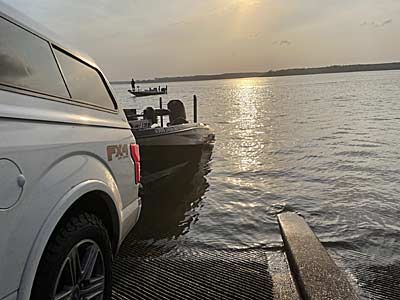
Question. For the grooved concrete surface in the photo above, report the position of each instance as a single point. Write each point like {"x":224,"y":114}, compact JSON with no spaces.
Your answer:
{"x":145,"y":269}
{"x":154,"y":272}
{"x":377,"y":277}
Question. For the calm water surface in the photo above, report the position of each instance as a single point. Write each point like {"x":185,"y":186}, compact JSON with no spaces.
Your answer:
{"x":324,"y":146}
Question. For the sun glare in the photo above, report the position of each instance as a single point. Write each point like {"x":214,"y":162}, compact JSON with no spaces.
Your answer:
{"x":244,"y":11}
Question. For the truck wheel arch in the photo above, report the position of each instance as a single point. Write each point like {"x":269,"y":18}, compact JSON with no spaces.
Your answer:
{"x":100,"y":204}
{"x":107,"y":208}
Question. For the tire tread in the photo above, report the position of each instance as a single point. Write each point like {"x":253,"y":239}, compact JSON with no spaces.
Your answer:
{"x":64,"y":231}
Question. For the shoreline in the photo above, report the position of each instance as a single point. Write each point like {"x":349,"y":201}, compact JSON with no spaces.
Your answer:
{"x":272,"y":73}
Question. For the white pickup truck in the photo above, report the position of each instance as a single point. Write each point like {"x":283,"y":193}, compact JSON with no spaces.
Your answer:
{"x":69,"y":168}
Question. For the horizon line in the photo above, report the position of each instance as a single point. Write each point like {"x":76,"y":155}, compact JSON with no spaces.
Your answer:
{"x":298,"y":71}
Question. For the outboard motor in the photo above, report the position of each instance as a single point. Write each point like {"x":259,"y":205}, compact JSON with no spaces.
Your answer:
{"x":177,"y":113}
{"x":150,"y":114}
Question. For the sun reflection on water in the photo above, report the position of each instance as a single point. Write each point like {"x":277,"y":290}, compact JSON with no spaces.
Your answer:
{"x":247,"y":106}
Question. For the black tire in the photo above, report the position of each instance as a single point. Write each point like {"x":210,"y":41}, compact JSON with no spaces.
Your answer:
{"x":78,"y":237}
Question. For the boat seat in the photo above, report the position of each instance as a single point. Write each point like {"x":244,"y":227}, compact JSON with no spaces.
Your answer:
{"x":150,"y":114}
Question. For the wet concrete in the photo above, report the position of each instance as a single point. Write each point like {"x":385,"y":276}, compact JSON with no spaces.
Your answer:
{"x":144,"y":271}
{"x":315,"y":272}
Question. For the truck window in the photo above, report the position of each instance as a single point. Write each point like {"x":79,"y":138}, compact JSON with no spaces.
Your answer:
{"x":84,"y":82}
{"x":27,"y":61}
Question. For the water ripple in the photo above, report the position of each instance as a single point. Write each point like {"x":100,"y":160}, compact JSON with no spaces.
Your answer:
{"x":324,"y":146}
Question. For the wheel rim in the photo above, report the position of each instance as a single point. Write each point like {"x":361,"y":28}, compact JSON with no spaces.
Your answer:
{"x":82,"y":275}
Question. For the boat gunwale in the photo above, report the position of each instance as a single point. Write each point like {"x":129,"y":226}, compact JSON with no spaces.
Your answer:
{"x":135,"y":132}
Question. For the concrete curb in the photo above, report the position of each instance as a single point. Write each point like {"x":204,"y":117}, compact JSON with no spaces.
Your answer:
{"x":314,"y":271}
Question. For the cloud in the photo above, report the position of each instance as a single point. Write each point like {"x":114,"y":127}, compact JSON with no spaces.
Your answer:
{"x":282,"y":43}
{"x":375,"y":24}
{"x":254,"y":35}
{"x":386,"y":22}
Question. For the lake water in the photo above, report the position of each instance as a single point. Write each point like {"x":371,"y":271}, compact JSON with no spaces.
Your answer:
{"x":324,"y":146}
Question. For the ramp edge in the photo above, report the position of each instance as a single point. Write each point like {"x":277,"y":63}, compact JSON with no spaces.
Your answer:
{"x":314,"y":271}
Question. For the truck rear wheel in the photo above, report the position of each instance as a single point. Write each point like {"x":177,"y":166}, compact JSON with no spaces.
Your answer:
{"x":77,"y":262}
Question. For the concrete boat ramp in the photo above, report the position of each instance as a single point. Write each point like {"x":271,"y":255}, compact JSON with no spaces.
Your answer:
{"x":300,"y":269}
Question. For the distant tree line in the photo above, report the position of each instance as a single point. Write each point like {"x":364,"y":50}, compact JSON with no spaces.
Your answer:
{"x":334,"y":69}
{"x":276,"y":73}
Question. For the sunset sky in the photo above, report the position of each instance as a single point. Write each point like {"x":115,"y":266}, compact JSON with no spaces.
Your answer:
{"x":149,"y":38}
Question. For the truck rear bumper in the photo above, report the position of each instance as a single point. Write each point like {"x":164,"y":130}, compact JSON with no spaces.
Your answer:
{"x":130,"y":216}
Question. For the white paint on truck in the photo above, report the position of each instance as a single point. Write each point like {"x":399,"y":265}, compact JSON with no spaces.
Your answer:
{"x":53,"y":152}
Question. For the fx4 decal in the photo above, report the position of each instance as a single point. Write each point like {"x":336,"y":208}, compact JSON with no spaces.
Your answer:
{"x":117,"y":151}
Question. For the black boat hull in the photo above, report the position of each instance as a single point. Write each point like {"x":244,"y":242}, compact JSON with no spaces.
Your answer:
{"x":172,"y":201}
{"x":164,"y":151}
{"x":146,"y":93}
{"x":156,"y":159}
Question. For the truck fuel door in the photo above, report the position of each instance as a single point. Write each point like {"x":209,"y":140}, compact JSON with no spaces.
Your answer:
{"x":11,"y":183}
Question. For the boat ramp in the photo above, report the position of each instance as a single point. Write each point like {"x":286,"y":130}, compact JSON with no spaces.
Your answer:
{"x":300,"y":268}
